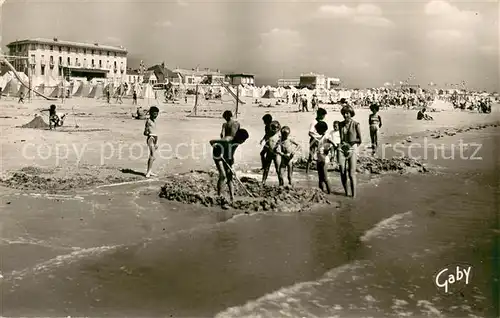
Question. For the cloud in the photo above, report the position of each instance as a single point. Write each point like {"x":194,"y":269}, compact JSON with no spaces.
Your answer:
{"x":447,"y":14}
{"x":364,"y":14}
{"x":163,"y":24}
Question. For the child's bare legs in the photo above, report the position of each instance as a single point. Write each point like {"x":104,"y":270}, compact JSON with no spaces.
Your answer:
{"x":322,"y":176}
{"x":373,"y":137}
{"x":222,"y":176}
{"x":343,"y":172}
{"x":267,"y":165}
{"x":263,"y":157}
{"x":289,"y":168}
{"x":277,"y":164}
{"x":352,"y":162}
{"x":230,"y":184}
{"x":152,"y":150}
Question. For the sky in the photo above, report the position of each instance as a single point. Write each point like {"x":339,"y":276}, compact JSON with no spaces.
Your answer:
{"x":365,"y":44}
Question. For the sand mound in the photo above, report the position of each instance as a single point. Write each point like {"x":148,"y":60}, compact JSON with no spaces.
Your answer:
{"x":58,"y":179}
{"x":199,"y":187}
{"x":36,"y":123}
{"x":375,"y":165}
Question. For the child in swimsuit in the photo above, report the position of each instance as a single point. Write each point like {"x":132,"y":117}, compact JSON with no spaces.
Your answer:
{"x":350,"y":137}
{"x":335,"y":138}
{"x":223,"y":155}
{"x":272,"y":146}
{"x":54,"y":119}
{"x":287,"y":152}
{"x":375,"y":122}
{"x":267,"y":119}
{"x":323,"y":149}
{"x":151,"y":138}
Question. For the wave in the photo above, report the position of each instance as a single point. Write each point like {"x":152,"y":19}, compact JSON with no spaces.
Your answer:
{"x":387,"y":226}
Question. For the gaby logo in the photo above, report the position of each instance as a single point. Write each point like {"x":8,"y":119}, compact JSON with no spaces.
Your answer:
{"x":453,"y":277}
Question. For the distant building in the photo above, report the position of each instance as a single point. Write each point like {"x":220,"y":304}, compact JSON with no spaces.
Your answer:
{"x":134,"y":76}
{"x":332,"y":82}
{"x":150,"y":77}
{"x":53,"y":58}
{"x":312,"y":81}
{"x":197,"y":76}
{"x":288,"y":82}
{"x":237,"y":79}
{"x":165,"y":75}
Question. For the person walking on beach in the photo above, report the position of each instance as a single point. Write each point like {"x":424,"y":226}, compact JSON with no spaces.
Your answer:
{"x":304,"y":104}
{"x":21,"y":98}
{"x":119,"y":94}
{"x":108,"y":95}
{"x":350,"y":138}
{"x":151,"y":138}
{"x":375,"y":122}
{"x":314,"y":136}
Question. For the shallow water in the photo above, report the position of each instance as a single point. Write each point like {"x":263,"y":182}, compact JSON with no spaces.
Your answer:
{"x":122,"y":251}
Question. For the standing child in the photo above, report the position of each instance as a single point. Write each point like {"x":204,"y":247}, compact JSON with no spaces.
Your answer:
{"x":375,"y":122}
{"x":21,"y":98}
{"x":151,"y":138}
{"x":267,"y":119}
{"x":335,"y":138}
{"x":324,"y":148}
{"x":272,"y":146}
{"x":287,"y":152}
{"x":134,"y":98}
{"x":223,"y":154}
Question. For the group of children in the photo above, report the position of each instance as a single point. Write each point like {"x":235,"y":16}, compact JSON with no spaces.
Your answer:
{"x":338,"y":145}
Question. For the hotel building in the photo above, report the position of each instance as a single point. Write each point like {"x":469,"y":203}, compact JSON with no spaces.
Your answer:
{"x":53,"y":58}
{"x":288,"y":82}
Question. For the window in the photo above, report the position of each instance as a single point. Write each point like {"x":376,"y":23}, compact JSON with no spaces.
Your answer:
{"x":115,"y":65}
{"x":60,"y":71}
{"x":51,"y":59}
{"x":60,"y":60}
{"x":107,"y":53}
{"x":69,"y":61}
{"x":43,"y":70}
{"x":68,"y":49}
{"x":51,"y":48}
{"x":84,"y":51}
{"x":32,"y":46}
{"x":100,"y":63}
{"x":32,"y":61}
{"x":76,"y":61}
{"x":60,"y":49}
{"x":115,"y":54}
{"x":84,"y":62}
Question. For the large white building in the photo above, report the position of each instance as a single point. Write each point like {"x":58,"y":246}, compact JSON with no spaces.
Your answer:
{"x":51,"y":59}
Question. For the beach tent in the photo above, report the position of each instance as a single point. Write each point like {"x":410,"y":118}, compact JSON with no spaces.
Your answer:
{"x":75,"y":87}
{"x":96,"y":91}
{"x":11,"y":88}
{"x":270,"y":94}
{"x":148,"y":92}
{"x":85,"y":91}
{"x":40,"y":88}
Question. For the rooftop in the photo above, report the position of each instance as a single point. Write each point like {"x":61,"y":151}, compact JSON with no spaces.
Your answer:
{"x":241,"y":75}
{"x":56,"y":41}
